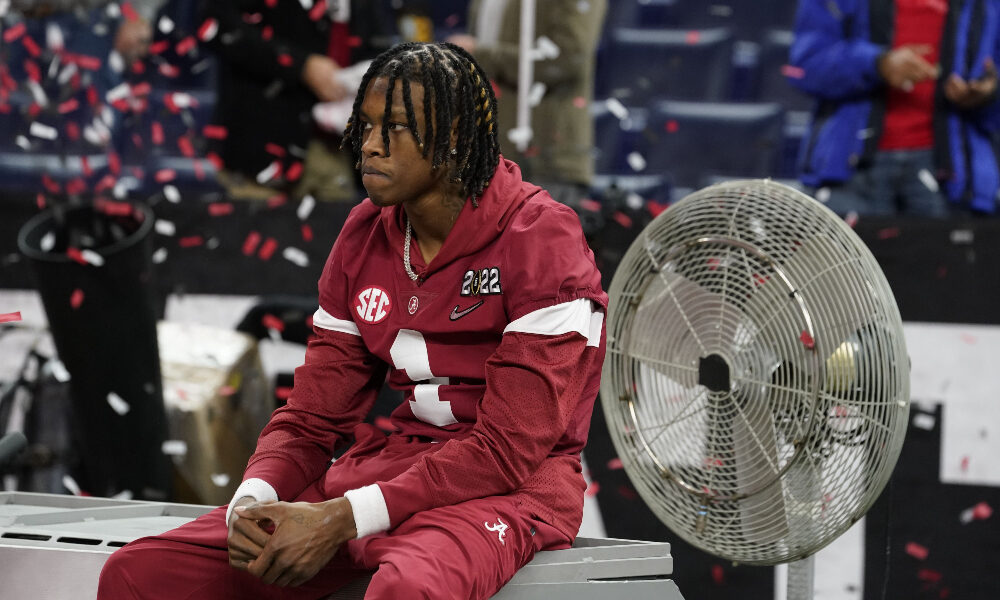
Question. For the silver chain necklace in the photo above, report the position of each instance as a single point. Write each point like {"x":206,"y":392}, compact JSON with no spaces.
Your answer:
{"x":406,"y":251}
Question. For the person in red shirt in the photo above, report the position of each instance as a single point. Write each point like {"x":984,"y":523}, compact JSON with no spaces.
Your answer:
{"x":478,"y":295}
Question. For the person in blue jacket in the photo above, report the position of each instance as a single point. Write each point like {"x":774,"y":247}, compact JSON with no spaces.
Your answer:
{"x":906,"y":118}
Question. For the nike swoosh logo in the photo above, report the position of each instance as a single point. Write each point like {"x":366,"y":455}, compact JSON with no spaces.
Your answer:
{"x":458,"y":314}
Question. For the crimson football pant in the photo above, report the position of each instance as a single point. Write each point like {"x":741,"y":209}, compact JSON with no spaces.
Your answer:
{"x":461,"y":551}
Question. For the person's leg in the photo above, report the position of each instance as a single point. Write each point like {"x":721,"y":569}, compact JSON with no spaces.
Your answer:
{"x":467,"y":551}
{"x":918,"y":189}
{"x":869,"y":192}
{"x":192,"y":561}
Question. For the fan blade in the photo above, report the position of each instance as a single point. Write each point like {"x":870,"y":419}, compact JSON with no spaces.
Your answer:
{"x":762,"y":514}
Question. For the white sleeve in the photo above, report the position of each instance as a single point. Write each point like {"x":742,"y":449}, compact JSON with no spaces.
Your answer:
{"x":259,"y":489}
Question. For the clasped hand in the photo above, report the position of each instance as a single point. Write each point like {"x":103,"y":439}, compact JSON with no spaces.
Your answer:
{"x":287,"y":543}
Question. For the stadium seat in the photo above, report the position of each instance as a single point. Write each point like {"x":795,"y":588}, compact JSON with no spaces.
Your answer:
{"x":639,"y":65}
{"x":689,"y":140}
{"x":642,"y":13}
{"x":748,"y":19}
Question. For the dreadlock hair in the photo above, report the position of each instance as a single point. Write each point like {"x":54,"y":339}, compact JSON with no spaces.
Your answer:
{"x":455,"y":87}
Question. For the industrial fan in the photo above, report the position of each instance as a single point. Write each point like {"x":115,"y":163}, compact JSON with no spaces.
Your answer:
{"x":757,"y":382}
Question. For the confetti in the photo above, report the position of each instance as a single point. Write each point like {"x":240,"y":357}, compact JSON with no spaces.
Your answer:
{"x":793,"y":72}
{"x":384,"y":423}
{"x":307,"y":232}
{"x":174,"y":447}
{"x":220,"y":479}
{"x":218,"y":209}
{"x":185,"y":45}
{"x":269,"y":172}
{"x":172,"y":194}
{"x":164,"y":227}
{"x":807,"y":340}
{"x":272,"y":322}
{"x":928,"y":180}
{"x":118,"y":404}
{"x":592,"y":489}
{"x":250,"y":244}
{"x":214,"y":132}
{"x":160,"y":256}
{"x":208,"y":30}
{"x":267,"y":249}
{"x":887,"y":233}
{"x":718,"y":575}
{"x":636,"y":161}
{"x":10,"y":317}
{"x":76,"y":298}
{"x":283,"y":392}
{"x":536,"y":93}
{"x":43,"y":131}
{"x":92,"y":258}
{"x":924,"y":421}
{"x":294,"y":255}
{"x":305,"y":207}
{"x":165,"y":25}
{"x":545,"y":49}
{"x":59,"y":370}
{"x":70,"y":484}
{"x":978,"y":512}
{"x":190,"y":241}
{"x":916,"y":551}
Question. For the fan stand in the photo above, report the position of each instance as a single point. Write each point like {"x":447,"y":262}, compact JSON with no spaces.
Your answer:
{"x":799,"y":585}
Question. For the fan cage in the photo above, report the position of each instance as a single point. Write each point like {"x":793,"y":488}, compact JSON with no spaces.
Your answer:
{"x":756,"y":384}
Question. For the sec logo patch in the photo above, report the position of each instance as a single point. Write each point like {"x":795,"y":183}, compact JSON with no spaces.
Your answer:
{"x":373,"y":305}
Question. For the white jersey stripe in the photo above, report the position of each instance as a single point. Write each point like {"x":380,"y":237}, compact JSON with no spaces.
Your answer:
{"x":325,"y":320}
{"x":578,"y":315}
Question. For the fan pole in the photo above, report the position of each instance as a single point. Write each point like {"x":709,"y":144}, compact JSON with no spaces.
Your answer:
{"x":800,"y":579}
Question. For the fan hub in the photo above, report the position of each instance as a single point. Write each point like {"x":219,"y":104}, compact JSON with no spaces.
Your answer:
{"x":713,"y":373}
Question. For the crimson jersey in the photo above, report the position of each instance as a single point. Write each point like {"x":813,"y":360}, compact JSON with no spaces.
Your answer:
{"x":498,"y":347}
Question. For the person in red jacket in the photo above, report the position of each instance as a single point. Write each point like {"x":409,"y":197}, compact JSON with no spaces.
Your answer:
{"x":477,"y":295}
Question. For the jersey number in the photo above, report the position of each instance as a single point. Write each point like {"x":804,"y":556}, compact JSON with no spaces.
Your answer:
{"x":409,"y":353}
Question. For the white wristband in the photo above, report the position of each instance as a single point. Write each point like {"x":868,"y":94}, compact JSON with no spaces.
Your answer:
{"x":259,"y":489}
{"x":371,"y":515}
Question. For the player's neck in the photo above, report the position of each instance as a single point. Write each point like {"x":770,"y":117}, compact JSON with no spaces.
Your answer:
{"x":432,"y":219}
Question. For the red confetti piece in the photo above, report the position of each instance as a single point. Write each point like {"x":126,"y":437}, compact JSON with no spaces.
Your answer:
{"x":294,"y":171}
{"x":982,"y":511}
{"x":34,"y":110}
{"x":622,"y":219}
{"x":580,"y":102}
{"x":69,"y":106}
{"x":128,"y":12}
{"x":138,"y":67}
{"x":276,"y":200}
{"x":285,"y":60}
{"x":592,"y":489}
{"x":75,"y":255}
{"x":32,"y":70}
{"x":252,"y":18}
{"x":851,"y":219}
{"x":615,"y":464}
{"x":76,"y":186}
{"x":692,"y":37}
{"x":185,"y":146}
{"x":116,"y":209}
{"x":87,"y":63}
{"x":965,"y":464}
{"x":169,"y":71}
{"x":807,"y":340}
{"x":627,"y":492}
{"x":156,"y":133}
{"x":165,"y":175}
{"x":14,"y":32}
{"x":76,"y":298}
{"x":267,"y":34}
{"x":318,"y":10}
{"x":141,"y":89}
{"x":199,"y":171}
{"x":218,"y":209}
{"x":307,"y":232}
{"x":226,"y":390}
{"x":185,"y":45}
{"x":250,"y":244}
{"x":208,"y":30}
{"x":114,"y":163}
{"x":31,"y":46}
{"x":590,"y":204}
{"x":384,"y":423}
{"x":85,"y":167}
{"x":271,"y":3}
{"x":215,"y":159}
{"x":272,"y":322}
{"x":51,"y":185}
{"x":916,"y":551}
{"x":274,"y":149}
{"x":72,"y":130}
{"x":929,"y":575}
{"x":283,"y":392}
{"x":40,"y":201}
{"x":190,"y":241}
{"x":10,"y":317}
{"x":267,"y":249}
{"x":888,"y":233}
{"x":793,"y":71}
{"x":655,"y":208}
{"x":671,"y":126}
{"x":214,"y":132}
{"x":718,"y":575}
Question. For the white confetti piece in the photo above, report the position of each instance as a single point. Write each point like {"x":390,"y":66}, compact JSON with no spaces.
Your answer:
{"x":171,"y":193}
{"x":924,"y":421}
{"x":636,"y":161}
{"x":927,"y":178}
{"x":164,"y":227}
{"x":296,"y":256}
{"x":4,"y":7}
{"x":268,"y":173}
{"x":165,"y":25}
{"x":962,"y":236}
{"x":220,"y":479}
{"x":521,"y":136}
{"x":968,"y":515}
{"x":38,"y":93}
{"x":616,"y":108}
{"x":634,"y":201}
{"x":545,"y":48}
{"x":306,"y":4}
{"x":48,"y":241}
{"x":122,"y":90}
{"x":92,"y":257}
{"x":823,"y":194}
{"x":116,"y":62}
{"x":118,"y":404}
{"x":113,"y":10}
{"x":54,"y":37}
{"x":182,"y":99}
{"x":536,"y":94}
{"x":67,"y":73}
{"x":274,"y":334}
{"x":43,"y":131}
{"x":23,"y":142}
{"x":305,"y":207}
{"x":159,"y":256}
{"x":123,"y":495}
{"x":174,"y":447}
{"x":59,"y":370}
{"x":70,"y":484}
